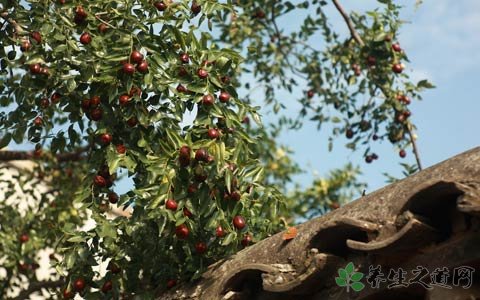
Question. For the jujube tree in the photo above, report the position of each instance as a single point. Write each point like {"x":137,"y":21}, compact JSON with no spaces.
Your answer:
{"x":157,"y":92}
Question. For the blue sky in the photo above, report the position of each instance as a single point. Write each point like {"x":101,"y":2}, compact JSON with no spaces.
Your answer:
{"x":442,"y":41}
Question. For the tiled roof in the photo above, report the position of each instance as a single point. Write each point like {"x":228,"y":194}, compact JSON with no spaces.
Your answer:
{"x":429,"y":221}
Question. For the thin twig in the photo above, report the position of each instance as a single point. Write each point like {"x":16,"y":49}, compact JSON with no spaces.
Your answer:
{"x":349,"y":22}
{"x":414,"y":145}
{"x":279,"y":44}
{"x":410,"y":133}
{"x":38,"y":286}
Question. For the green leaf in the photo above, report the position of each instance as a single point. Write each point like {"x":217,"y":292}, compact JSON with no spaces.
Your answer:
{"x":349,"y":268}
{"x":229,"y":238}
{"x":357,"y":276}
{"x":76,"y":239}
{"x":357,"y":286}
{"x":425,"y":84}
{"x":342,"y":273}
{"x":340,"y":281}
{"x":107,"y":230}
{"x":5,"y":140}
{"x":71,"y":85}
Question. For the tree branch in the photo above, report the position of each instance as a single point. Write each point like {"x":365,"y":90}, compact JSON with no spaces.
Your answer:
{"x":28,"y":155}
{"x":37,"y":286}
{"x":414,"y":145}
{"x":349,"y":22}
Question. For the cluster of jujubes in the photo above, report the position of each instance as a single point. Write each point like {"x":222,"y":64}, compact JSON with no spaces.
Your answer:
{"x":396,"y":130}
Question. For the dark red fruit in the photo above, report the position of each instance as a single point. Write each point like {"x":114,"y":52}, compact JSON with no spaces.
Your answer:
{"x":181,"y":89}
{"x":37,"y":153}
{"x":135,"y":91}
{"x":235,"y":196}
{"x":100,"y":181}
{"x":160,"y":5}
{"x":202,"y":73}
{"x":246,"y":120}
{"x":219,"y":232}
{"x":67,"y":294}
{"x":201,"y":247}
{"x":396,"y":47}
{"x":44,"y":103}
{"x":192,"y":188}
{"x":368,"y":159}
{"x":374,"y":156}
{"x":224,"y":97}
{"x":239,"y":222}
{"x":55,"y":97}
{"x":195,"y":8}
{"x":371,"y":61}
{"x":213,"y":133}
{"x":36,"y":36}
{"x":171,"y":205}
{"x":79,"y":284}
{"x":136,"y":56}
{"x":349,"y":133}
{"x":171,"y":283}
{"x":114,"y":268}
{"x":142,"y":67}
{"x":182,"y":231}
{"x":402,"y":153}
{"x":95,"y":101}
{"x":121,"y":149}
{"x":38,"y":121}
{"x":184,"y":58}
{"x":400,"y":117}
{"x":259,"y":14}
{"x":124,"y":99}
{"x":310,"y":93}
{"x":182,"y":72}
{"x":85,"y":38}
{"x":201,"y":155}
{"x":80,"y":13}
{"x":102,"y":27}
{"x":113,"y":197}
{"x":185,"y":151}
{"x":357,"y":72}
{"x":187,"y":213}
{"x":247,"y":239}
{"x":44,"y":71}
{"x":106,"y":138}
{"x":96,"y":114}
{"x":208,"y":100}
{"x":35,"y":68}
{"x":128,"y":68}
{"x":375,"y":137}
{"x":25,"y":46}
{"x":334,"y":205}
{"x":132,"y":122}
{"x":85,"y":104}
{"x":397,"y":68}
{"x":107,"y":286}
{"x":225,"y":79}
{"x":24,"y":238}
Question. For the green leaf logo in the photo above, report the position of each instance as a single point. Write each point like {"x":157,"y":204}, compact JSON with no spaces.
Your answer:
{"x":349,"y":278}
